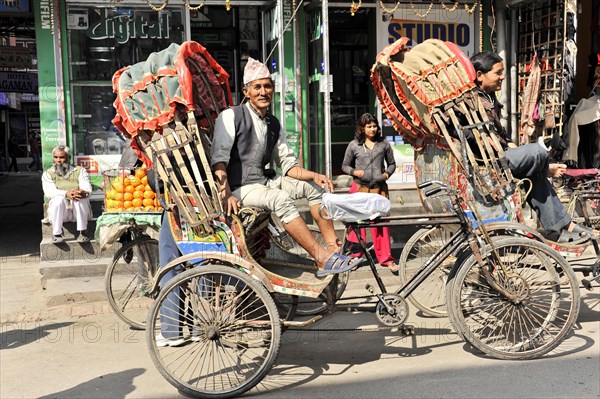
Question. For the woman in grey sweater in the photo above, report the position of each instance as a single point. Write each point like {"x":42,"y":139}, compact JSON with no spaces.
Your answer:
{"x":369,"y":159}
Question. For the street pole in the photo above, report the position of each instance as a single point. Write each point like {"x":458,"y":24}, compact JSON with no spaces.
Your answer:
{"x":513,"y":81}
{"x":281,"y":65}
{"x":326,"y":86}
{"x":500,"y":9}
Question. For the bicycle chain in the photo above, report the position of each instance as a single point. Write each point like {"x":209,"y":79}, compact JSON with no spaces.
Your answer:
{"x":357,"y":329}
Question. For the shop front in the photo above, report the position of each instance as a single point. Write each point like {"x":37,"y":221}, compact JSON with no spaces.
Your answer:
{"x":82,"y":43}
{"x":355,"y":38}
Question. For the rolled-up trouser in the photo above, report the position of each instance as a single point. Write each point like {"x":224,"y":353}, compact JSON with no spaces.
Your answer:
{"x":279,"y":196}
{"x":60,"y":212}
{"x":531,"y":161}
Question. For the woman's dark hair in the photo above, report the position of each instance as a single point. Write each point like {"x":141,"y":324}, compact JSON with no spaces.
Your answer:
{"x":485,"y":61}
{"x":363,"y":121}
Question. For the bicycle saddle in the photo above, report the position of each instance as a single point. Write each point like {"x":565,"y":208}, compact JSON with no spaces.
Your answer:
{"x":354,"y":207}
{"x":581,"y":173}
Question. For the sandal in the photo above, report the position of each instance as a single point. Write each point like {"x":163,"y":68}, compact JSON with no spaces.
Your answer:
{"x":355,"y":248}
{"x":572,"y":237}
{"x":584,"y":229}
{"x":393,"y":267}
{"x":338,"y":263}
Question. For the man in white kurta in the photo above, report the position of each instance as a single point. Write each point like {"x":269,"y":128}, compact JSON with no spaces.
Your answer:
{"x":68,"y":189}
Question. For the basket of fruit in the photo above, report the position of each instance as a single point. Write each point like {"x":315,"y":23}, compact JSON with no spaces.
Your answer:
{"x":129,"y":191}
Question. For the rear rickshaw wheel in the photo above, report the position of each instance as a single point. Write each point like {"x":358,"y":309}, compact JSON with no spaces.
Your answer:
{"x":536,"y":320}
{"x":213,"y":332}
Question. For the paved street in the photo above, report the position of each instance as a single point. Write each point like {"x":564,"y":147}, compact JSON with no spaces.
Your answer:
{"x":81,"y":350}
{"x":98,"y":357}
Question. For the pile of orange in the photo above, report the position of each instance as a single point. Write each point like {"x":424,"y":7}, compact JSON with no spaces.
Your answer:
{"x":131,"y":194}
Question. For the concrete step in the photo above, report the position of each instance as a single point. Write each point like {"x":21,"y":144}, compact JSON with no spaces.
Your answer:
{"x":75,"y":290}
{"x":74,"y":268}
{"x":69,"y":250}
{"x":69,"y":229}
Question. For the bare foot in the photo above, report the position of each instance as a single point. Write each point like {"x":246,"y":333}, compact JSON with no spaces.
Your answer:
{"x":334,"y":246}
{"x":556,"y":169}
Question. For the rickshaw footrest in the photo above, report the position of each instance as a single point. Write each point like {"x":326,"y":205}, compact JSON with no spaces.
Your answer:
{"x":305,"y":323}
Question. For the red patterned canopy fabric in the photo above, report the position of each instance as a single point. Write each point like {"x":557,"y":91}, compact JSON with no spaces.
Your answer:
{"x":182,"y":76}
{"x":412,"y":82}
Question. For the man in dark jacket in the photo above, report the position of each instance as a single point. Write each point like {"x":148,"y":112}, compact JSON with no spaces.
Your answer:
{"x":527,"y":161}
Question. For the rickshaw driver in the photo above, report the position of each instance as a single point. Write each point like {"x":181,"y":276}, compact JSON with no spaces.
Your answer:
{"x":246,"y":139}
{"x":527,"y":161}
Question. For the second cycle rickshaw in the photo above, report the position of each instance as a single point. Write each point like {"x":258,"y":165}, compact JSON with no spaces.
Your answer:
{"x":222,"y":316}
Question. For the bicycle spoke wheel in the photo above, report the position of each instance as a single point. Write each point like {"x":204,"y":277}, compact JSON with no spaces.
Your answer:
{"x":541,"y":313}
{"x":128,"y":281}
{"x":213,"y":331}
{"x":314,"y":306}
{"x":430,"y":295}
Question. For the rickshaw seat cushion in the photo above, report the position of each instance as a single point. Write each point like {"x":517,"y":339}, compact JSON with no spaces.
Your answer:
{"x":355,"y":207}
{"x":581,"y":173}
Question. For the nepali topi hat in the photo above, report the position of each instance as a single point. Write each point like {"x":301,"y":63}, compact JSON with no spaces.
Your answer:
{"x":255,"y":70}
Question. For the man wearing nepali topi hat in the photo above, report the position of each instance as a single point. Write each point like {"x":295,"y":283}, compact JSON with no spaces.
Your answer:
{"x":247,"y":140}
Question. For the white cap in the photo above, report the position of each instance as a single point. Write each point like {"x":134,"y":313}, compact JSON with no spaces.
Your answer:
{"x":255,"y":70}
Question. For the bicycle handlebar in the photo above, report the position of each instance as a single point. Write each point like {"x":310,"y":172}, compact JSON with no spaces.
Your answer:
{"x":432,"y":182}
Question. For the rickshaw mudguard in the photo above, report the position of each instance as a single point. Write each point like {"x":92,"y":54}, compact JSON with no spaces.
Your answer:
{"x":229,"y":238}
{"x":523,"y":229}
{"x":206,"y":257}
{"x":570,"y":250}
{"x":272,"y":282}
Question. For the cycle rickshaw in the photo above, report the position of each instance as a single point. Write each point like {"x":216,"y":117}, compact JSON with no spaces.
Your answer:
{"x":512,"y":298}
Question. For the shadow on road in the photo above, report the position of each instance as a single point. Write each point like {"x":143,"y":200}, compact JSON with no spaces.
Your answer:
{"x":303,"y":351}
{"x":114,"y":385}
{"x":13,"y":337}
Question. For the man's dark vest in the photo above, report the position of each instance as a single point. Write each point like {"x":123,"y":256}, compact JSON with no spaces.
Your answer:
{"x":245,"y":145}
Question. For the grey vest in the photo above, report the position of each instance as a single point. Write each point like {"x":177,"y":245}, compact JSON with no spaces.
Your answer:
{"x":245,"y":145}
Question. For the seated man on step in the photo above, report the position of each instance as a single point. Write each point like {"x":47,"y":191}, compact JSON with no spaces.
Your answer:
{"x":68,"y":189}
{"x":246,"y":139}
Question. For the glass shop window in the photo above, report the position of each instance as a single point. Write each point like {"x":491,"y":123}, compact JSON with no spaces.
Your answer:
{"x":102,"y":40}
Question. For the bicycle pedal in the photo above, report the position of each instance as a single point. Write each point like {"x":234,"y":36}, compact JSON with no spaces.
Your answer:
{"x":407,"y":330}
{"x":128,"y":256}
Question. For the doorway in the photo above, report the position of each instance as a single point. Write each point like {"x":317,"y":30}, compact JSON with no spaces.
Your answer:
{"x":352,"y":42}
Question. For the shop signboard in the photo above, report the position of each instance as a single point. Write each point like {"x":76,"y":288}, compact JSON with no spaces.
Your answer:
{"x":18,"y":82}
{"x":125,"y":26}
{"x":404,"y":155}
{"x":96,"y":165}
{"x":15,"y":57}
{"x":14,"y":6}
{"x":457,"y":26}
{"x":52,"y":125}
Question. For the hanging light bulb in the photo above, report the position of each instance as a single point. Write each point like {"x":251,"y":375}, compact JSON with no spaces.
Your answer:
{"x":228,"y":5}
{"x":354,"y":7}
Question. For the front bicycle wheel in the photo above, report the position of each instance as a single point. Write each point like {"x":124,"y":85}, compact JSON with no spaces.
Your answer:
{"x":128,"y":281}
{"x":537,"y":314}
{"x":314,"y":306}
{"x":213,"y":332}
{"x":430,"y":296}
